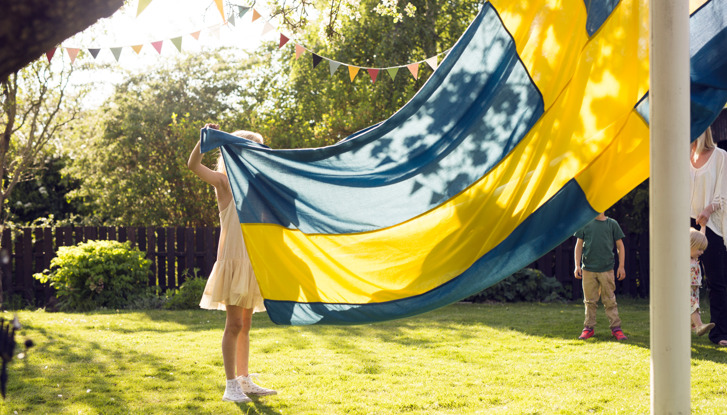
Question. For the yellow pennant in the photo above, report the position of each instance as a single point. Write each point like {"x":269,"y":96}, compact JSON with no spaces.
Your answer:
{"x":352,"y":71}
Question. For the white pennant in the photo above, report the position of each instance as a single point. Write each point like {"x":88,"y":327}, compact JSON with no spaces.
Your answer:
{"x":432,"y":62}
{"x":332,"y":66}
{"x":268,"y":27}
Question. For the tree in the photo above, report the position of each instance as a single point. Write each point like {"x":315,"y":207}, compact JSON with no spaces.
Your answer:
{"x":131,"y":154}
{"x":296,"y":105}
{"x":133,"y":168}
{"x":45,"y":196}
{"x":32,"y":27}
{"x":37,"y":104}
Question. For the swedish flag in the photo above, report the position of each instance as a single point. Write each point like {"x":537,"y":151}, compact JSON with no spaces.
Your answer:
{"x":535,"y":121}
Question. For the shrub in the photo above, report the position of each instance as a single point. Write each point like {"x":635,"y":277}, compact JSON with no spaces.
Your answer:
{"x":97,"y":274}
{"x":149,"y":299}
{"x":525,"y":285}
{"x":188,"y":295}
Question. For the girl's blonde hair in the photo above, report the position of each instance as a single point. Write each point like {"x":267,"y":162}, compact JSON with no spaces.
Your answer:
{"x":697,"y":239}
{"x":705,"y":141}
{"x":243,"y":134}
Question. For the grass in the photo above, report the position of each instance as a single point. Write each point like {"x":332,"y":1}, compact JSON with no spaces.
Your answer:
{"x":465,"y":358}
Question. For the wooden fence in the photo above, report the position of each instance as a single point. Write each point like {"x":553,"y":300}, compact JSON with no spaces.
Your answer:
{"x":175,"y":252}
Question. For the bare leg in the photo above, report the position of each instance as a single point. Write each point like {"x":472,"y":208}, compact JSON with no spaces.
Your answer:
{"x":243,"y":343}
{"x":233,"y":328}
{"x":700,"y":328}
{"x":696,"y":319}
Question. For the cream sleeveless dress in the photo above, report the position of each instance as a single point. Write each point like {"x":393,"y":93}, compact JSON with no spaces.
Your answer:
{"x":232,"y":280}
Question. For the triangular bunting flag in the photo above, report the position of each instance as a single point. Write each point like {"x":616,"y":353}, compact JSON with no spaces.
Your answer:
{"x":316,"y":60}
{"x":241,"y":10}
{"x":221,"y":8}
{"x":137,"y":48}
{"x":298,"y":50}
{"x":231,"y":19}
{"x":352,"y":71}
{"x":215,"y":31}
{"x":177,"y":41}
{"x":158,"y":46}
{"x":94,"y":52}
{"x":72,"y":53}
{"x":373,"y":73}
{"x":283,"y":40}
{"x":392,"y":72}
{"x":255,"y":15}
{"x":116,"y":52}
{"x":333,"y":65}
{"x":268,"y":27}
{"x":50,"y":54}
{"x":195,"y":34}
{"x":432,"y":62}
{"x":414,"y":69}
{"x":142,"y":5}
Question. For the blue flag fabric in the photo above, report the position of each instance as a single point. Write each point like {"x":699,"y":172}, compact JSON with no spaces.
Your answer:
{"x":535,"y":121}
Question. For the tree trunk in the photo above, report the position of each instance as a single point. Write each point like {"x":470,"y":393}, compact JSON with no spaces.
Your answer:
{"x":29,"y":28}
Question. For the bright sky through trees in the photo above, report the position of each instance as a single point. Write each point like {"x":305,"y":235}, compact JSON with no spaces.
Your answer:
{"x":163,"y":20}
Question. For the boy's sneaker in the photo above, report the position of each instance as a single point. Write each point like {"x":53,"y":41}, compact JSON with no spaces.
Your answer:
{"x":619,"y":335}
{"x":586,"y":334}
{"x":234,"y":393}
{"x":249,"y":387}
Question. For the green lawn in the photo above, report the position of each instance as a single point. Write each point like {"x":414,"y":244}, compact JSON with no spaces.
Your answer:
{"x":465,"y":358}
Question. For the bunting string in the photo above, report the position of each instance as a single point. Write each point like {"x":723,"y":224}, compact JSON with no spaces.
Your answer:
{"x":237,"y":12}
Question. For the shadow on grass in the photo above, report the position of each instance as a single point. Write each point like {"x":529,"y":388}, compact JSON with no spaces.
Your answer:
{"x":44,"y":386}
{"x":257,"y":406}
{"x":561,"y":321}
{"x":83,"y":372}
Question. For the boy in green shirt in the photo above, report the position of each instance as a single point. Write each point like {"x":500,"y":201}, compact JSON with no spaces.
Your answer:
{"x":594,"y":249}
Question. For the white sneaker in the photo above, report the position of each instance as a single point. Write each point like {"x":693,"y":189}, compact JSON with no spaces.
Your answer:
{"x":234,"y":393}
{"x":249,"y":387}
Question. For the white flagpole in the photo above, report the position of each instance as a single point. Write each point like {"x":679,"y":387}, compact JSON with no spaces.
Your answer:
{"x":669,"y":206}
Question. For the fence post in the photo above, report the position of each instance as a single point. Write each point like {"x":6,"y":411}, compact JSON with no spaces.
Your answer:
{"x":48,"y":254}
{"x":161,"y":258}
{"x":171,"y":258}
{"x":6,"y":265}
{"x":90,"y":233}
{"x":189,"y":257}
{"x":78,"y":235}
{"x":26,"y":276}
{"x":150,"y":254}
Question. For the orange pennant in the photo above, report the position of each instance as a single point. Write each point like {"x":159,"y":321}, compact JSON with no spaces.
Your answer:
{"x":414,"y":69}
{"x":158,"y":46}
{"x":352,"y":71}
{"x":195,"y":34}
{"x":373,"y":73}
{"x":255,"y":15}
{"x":221,"y":9}
{"x":72,"y":53}
{"x":298,"y":50}
{"x":137,"y":48}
